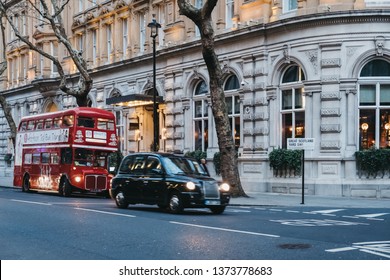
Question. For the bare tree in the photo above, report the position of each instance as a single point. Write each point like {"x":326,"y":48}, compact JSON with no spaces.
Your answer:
{"x":202,"y":19}
{"x":50,"y":14}
{"x":3,"y":102}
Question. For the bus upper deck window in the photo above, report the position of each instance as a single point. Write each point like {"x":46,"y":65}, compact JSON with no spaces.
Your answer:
{"x":23,"y":126}
{"x":48,"y":123}
{"x":30,"y":125}
{"x":85,"y":122}
{"x":57,"y":122}
{"x":105,"y":124}
{"x":39,"y":124}
{"x":68,"y":120}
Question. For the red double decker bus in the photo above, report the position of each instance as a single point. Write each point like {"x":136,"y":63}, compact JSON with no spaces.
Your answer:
{"x":65,"y":151}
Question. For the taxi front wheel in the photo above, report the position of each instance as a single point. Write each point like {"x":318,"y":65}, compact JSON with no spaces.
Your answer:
{"x":120,"y":200}
{"x":175,"y":203}
{"x":217,"y":209}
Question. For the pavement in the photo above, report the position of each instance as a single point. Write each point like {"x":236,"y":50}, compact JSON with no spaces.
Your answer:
{"x":288,"y":200}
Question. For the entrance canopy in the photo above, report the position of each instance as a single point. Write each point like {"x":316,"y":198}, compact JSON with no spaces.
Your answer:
{"x":133,"y":100}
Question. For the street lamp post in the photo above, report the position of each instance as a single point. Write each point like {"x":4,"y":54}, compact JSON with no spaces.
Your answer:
{"x":154,"y":26}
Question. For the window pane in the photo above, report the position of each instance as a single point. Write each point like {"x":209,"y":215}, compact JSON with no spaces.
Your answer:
{"x":45,"y":157}
{"x":367,"y":128}
{"x":27,"y":158}
{"x":367,"y":95}
{"x":232,"y":83}
{"x":385,"y":95}
{"x":54,"y":158}
{"x":205,"y":111}
{"x":201,"y":88}
{"x":198,"y":135}
{"x":48,"y":123}
{"x":206,"y":135}
{"x":236,"y":132}
{"x":376,"y":68}
{"x":286,"y":128}
{"x":287,"y":99}
{"x":86,"y":122}
{"x":384,"y":141}
{"x":30,"y":125}
{"x":152,"y":164}
{"x":291,"y":75}
{"x":57,"y":122}
{"x":300,"y":125}
{"x":39,"y":125}
{"x":198,"y":109}
{"x":229,"y":105}
{"x":236,"y":105}
{"x":299,"y":99}
{"x":36,"y":158}
{"x":292,"y":5}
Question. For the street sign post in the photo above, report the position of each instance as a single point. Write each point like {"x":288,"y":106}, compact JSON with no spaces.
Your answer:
{"x":301,"y":144}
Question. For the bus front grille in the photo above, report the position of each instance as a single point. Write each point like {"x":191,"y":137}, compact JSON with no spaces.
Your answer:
{"x":95,"y":182}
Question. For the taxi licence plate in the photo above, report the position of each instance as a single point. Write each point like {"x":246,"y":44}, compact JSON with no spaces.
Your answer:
{"x":212,"y":202}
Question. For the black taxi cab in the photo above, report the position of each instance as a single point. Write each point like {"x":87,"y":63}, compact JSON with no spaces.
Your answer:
{"x":170,"y":181}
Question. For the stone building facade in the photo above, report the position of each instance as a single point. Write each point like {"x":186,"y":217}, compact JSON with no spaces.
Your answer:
{"x":293,"y":68}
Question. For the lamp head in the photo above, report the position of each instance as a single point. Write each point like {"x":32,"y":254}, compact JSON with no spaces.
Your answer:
{"x":154,"y":26}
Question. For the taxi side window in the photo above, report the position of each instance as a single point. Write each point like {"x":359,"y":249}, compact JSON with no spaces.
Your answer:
{"x":133,"y":165}
{"x":153,"y":165}
{"x":138,"y":165}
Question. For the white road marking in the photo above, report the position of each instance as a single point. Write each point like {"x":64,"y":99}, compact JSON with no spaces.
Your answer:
{"x":31,"y":202}
{"x":225,"y":229}
{"x":379,"y":248}
{"x":329,"y":211}
{"x":341,"y":249}
{"x":237,"y":211}
{"x":351,"y":217}
{"x":105,"y":212}
{"x":314,"y":222}
{"x":370,"y":216}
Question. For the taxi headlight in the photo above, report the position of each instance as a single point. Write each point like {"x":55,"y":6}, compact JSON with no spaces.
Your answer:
{"x":190,"y":186}
{"x":224,"y":187}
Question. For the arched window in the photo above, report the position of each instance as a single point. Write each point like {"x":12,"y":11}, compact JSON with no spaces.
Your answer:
{"x":292,"y":104}
{"x":52,"y":107}
{"x":374,"y":105}
{"x":201,"y":122}
{"x":233,"y":105}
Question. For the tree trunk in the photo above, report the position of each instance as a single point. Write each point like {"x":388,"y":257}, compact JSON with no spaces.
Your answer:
{"x":229,"y":164}
{"x":8,"y":116}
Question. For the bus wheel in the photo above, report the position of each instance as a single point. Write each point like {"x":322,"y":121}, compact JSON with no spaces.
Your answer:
{"x":26,"y":184}
{"x":65,"y":188}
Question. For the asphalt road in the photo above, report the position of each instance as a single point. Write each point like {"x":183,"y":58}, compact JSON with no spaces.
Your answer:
{"x":48,"y":227}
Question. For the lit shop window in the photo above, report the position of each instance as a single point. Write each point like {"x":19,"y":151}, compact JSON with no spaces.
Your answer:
{"x":292,"y":104}
{"x":234,"y":109}
{"x":201,"y":123}
{"x":374,"y":105}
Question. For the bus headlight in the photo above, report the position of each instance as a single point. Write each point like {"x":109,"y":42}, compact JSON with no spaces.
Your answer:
{"x":77,"y":179}
{"x":224,"y":187}
{"x":190,"y":186}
